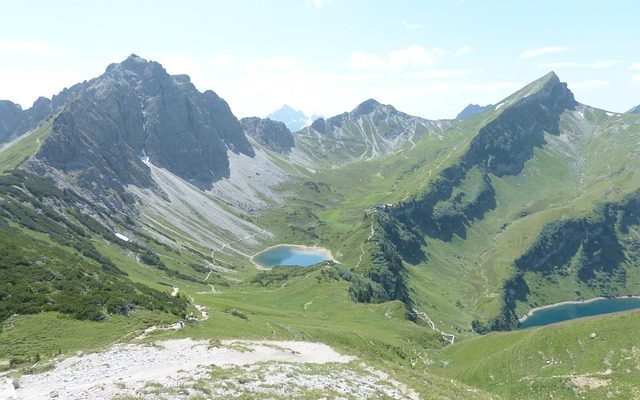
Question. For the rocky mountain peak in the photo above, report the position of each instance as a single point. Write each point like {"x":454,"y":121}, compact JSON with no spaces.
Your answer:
{"x":136,"y":107}
{"x":366,"y":107}
{"x":506,"y":143}
{"x":547,"y":89}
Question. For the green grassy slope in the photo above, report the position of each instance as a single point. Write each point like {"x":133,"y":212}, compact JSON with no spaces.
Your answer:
{"x":590,"y":358}
{"x":14,"y":153}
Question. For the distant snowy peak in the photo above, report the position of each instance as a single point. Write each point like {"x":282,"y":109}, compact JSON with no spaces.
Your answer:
{"x":293,"y":119}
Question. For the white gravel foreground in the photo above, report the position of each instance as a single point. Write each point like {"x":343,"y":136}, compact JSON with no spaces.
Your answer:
{"x":185,"y":368}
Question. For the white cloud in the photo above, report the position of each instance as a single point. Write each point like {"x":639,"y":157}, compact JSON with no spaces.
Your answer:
{"x":595,"y":65}
{"x":635,"y":66}
{"x":29,"y":48}
{"x":411,"y":26}
{"x":440,"y":74}
{"x":221,"y":61}
{"x":360,"y":60}
{"x":462,"y":51}
{"x":413,"y":56}
{"x":542,"y":51}
{"x":635,"y":78}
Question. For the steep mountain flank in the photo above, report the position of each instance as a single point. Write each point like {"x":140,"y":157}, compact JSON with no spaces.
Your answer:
{"x":464,"y":192}
{"x":592,"y":252}
{"x":634,"y":110}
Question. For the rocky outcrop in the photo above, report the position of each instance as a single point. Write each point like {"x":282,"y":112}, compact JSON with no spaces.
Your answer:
{"x":136,"y":112}
{"x":274,"y":135}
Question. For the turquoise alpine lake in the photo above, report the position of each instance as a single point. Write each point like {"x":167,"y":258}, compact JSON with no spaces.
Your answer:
{"x":572,"y":310}
{"x":290,"y":255}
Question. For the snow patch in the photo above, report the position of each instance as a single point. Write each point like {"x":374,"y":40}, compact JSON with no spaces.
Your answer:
{"x":498,"y":106}
{"x":121,"y":237}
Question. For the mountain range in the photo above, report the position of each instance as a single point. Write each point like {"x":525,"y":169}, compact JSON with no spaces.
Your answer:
{"x":123,"y":188}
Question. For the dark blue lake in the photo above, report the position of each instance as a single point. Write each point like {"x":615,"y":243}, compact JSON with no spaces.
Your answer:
{"x":565,"y":312}
{"x":286,"y":255}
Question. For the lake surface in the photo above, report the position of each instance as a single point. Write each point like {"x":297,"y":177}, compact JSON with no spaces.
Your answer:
{"x":565,"y":312}
{"x":287,"y":255}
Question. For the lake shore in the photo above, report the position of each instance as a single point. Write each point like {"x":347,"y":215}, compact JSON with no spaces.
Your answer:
{"x":315,"y":249}
{"x":562,"y":303}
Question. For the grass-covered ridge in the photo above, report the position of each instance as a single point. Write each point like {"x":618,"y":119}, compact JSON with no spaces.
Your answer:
{"x":590,"y":358}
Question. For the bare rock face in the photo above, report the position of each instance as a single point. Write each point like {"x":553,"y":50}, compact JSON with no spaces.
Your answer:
{"x":273,"y":135}
{"x":136,"y":112}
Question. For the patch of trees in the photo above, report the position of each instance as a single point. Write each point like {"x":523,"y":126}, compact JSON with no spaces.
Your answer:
{"x":36,"y":277}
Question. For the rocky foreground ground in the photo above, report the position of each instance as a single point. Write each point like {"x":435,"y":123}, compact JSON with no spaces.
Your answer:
{"x":189,"y":369}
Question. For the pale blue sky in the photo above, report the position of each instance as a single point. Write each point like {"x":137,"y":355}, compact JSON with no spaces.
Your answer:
{"x":428,"y":58}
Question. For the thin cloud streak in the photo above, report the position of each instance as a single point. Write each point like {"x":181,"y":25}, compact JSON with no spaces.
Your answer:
{"x":28,"y":47}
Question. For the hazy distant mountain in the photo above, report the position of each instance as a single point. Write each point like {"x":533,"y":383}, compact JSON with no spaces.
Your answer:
{"x":14,"y":121}
{"x":634,"y":110}
{"x":293,"y":119}
{"x":10,"y":116}
{"x":471,"y":110}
